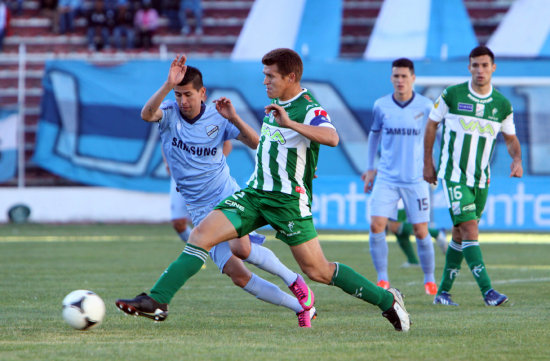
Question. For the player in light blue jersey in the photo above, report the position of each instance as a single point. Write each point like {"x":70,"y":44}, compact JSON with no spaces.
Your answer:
{"x":179,"y":216}
{"x":399,"y":122}
{"x":192,"y":137}
{"x":279,"y":194}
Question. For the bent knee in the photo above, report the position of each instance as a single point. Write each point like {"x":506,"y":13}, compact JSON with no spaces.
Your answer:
{"x":240,"y":280}
{"x":240,"y":249}
{"x":197,"y":238}
{"x":321,"y":275}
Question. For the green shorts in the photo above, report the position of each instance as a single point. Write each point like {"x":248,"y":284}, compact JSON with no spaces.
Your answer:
{"x":250,"y":209}
{"x":465,"y":203}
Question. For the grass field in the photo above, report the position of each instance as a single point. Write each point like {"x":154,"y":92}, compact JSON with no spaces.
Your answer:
{"x":212,"y":320}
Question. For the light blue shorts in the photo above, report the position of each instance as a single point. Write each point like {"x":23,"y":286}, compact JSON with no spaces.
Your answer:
{"x":220,"y":253}
{"x":178,"y":208}
{"x":385,"y":198}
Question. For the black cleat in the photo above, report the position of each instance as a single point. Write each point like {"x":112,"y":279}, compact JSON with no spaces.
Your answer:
{"x":145,"y":306}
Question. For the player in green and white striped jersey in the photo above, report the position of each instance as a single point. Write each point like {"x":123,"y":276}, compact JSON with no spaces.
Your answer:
{"x":279,"y":194}
{"x":474,"y":113}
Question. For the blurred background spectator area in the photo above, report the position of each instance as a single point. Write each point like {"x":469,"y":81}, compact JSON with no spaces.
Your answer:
{"x":49,"y":32}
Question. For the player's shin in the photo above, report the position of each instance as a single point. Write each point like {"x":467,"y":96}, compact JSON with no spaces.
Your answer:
{"x":268,"y":292}
{"x":427,"y":259}
{"x":184,"y":267}
{"x":353,"y":283}
{"x":474,"y":258}
{"x":265,"y":259}
{"x":453,"y":260}
{"x":379,"y":253}
{"x":405,"y":244}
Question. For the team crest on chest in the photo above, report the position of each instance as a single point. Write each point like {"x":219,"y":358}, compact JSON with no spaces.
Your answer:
{"x":212,"y":131}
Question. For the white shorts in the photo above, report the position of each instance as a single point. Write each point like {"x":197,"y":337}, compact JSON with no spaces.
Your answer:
{"x":221,"y":252}
{"x":385,"y":198}
{"x":178,"y":208}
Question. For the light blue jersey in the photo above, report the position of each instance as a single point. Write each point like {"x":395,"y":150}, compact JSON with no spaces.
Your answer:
{"x":193,"y":150}
{"x":401,"y":129}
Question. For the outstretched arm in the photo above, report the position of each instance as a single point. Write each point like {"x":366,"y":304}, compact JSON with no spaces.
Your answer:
{"x":226,"y":109}
{"x":151,"y":110}
{"x":322,"y":135}
{"x":429,"y":139}
{"x":514,"y":149}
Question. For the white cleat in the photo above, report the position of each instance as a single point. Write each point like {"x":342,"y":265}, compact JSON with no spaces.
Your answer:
{"x":397,"y":314}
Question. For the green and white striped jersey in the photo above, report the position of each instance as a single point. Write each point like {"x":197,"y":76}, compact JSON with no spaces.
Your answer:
{"x":472,"y":122}
{"x":285,"y":159}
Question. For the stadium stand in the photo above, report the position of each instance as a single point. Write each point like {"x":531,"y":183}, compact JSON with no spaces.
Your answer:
{"x":222,"y":22}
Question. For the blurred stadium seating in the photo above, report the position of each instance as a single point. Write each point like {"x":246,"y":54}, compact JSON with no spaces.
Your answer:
{"x":222,"y":20}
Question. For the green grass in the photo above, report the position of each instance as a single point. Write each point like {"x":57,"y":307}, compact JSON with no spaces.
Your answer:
{"x":210,"y":319}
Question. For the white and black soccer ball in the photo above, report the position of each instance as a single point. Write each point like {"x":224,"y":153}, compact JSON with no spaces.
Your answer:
{"x":83,"y":309}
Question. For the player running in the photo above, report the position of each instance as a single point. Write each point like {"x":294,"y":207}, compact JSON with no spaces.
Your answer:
{"x":279,"y":193}
{"x":192,"y":136}
{"x":474,"y":113}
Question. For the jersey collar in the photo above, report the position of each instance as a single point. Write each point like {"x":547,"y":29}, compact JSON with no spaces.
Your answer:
{"x":279,"y":101}
{"x":402,"y":105}
{"x":477,"y":95}
{"x":192,"y":121}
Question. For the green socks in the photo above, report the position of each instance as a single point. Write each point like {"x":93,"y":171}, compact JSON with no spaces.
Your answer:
{"x":184,"y":267}
{"x":356,"y":285}
{"x":406,"y":229}
{"x":405,"y":244}
{"x":474,"y":258}
{"x":453,"y":260}
{"x":433,"y":232}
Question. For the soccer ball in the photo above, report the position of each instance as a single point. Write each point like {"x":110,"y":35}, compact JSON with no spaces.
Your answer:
{"x":83,"y":309}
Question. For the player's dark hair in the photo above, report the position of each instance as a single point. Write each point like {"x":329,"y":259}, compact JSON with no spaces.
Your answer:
{"x":194,"y":76}
{"x":287,"y":60}
{"x":480,"y":51}
{"x":403,"y":63}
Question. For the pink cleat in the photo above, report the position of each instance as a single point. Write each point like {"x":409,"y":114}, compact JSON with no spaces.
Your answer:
{"x":303,"y":293}
{"x":305,"y":317}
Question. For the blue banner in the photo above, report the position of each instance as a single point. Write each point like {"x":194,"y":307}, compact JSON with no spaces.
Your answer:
{"x":8,"y":145}
{"x":90,"y":128}
{"x":514,"y":204}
